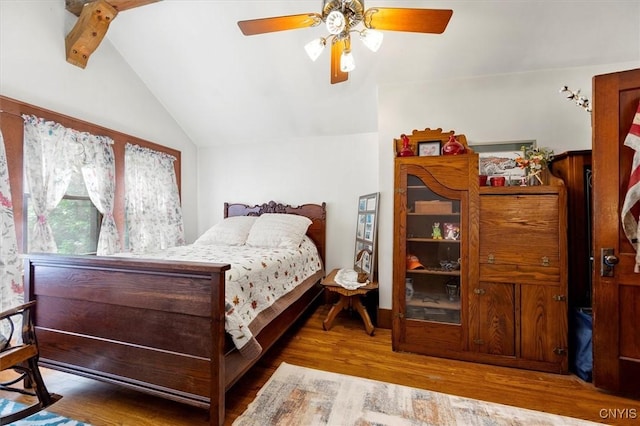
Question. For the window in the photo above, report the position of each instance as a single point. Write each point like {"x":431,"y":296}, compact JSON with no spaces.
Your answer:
{"x":75,"y":222}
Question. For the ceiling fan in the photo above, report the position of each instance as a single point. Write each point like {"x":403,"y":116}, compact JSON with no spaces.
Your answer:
{"x":341,"y":18}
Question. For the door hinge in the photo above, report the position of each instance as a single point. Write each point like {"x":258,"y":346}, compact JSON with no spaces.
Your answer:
{"x":399,"y":315}
{"x":560,"y":351}
{"x":559,"y":297}
{"x":478,"y":341}
{"x":479,"y":291}
{"x":401,"y":191}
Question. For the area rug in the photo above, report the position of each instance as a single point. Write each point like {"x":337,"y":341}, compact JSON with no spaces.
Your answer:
{"x":303,"y":396}
{"x":42,"y":418}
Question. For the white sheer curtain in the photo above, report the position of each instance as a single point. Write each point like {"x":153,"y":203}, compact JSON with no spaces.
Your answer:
{"x":48,"y":158}
{"x":152,"y":203}
{"x":11,"y":287}
{"x":99,"y":173}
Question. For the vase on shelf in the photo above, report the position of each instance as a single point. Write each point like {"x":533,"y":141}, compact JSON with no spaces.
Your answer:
{"x":406,"y":150}
{"x":453,"y":147}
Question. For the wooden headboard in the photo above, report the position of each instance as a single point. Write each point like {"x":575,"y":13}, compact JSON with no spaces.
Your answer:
{"x":316,"y":212}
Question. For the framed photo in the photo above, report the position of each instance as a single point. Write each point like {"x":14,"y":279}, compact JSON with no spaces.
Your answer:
{"x":499,"y":158}
{"x":366,"y":232}
{"x":428,"y":148}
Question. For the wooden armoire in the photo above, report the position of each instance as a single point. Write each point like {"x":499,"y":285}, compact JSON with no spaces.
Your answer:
{"x":616,"y":287}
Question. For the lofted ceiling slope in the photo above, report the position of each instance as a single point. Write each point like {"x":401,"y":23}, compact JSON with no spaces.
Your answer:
{"x":223,"y":87}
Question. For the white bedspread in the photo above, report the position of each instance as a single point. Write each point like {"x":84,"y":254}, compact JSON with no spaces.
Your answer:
{"x":257,"y":278}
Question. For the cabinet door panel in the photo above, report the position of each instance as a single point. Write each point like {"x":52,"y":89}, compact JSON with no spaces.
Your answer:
{"x":492,"y":319}
{"x":519,"y":229}
{"x":543,"y":324}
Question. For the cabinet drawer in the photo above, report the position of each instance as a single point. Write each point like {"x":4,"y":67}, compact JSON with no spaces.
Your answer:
{"x":519,"y":230}
{"x":520,"y":274}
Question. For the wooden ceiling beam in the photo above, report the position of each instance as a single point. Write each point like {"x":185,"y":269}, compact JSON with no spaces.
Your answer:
{"x":92,"y":25}
{"x":75,"y":6}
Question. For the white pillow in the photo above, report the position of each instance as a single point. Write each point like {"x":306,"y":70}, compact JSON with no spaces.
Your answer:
{"x":232,"y":231}
{"x":278,"y":230}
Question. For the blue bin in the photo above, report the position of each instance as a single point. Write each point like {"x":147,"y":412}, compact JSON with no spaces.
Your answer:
{"x":582,"y":331}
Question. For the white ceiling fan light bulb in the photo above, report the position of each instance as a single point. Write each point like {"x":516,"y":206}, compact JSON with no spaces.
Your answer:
{"x":336,"y":22}
{"x":372,"y":39}
{"x":347,"y":63}
{"x":315,"y":47}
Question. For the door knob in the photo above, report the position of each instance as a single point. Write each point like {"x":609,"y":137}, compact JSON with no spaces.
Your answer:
{"x":607,"y":261}
{"x":611,"y":260}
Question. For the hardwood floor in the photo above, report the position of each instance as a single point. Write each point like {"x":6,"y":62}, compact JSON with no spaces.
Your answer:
{"x":347,"y":349}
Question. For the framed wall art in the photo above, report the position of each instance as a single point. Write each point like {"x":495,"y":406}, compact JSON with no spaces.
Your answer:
{"x":499,"y":158}
{"x":428,"y":148}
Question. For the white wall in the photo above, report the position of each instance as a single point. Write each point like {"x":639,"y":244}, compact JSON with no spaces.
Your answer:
{"x":508,"y":107}
{"x":335,"y":170}
{"x":107,"y":92}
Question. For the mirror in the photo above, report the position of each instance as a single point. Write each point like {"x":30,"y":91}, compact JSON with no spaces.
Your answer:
{"x":366,"y":235}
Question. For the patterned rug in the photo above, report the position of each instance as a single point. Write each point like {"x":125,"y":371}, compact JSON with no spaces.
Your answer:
{"x":42,"y":418}
{"x":302,"y":396}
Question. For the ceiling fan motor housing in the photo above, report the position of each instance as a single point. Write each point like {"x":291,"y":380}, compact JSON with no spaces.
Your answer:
{"x":352,"y":10}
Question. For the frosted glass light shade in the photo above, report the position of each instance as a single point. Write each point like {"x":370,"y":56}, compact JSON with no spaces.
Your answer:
{"x":372,"y":39}
{"x":315,"y":47}
{"x":347,"y":63}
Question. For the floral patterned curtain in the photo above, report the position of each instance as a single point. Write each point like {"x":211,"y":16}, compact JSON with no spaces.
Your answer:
{"x":52,"y":154}
{"x":11,"y":287}
{"x":99,"y":173}
{"x":48,"y":157}
{"x":152,"y":203}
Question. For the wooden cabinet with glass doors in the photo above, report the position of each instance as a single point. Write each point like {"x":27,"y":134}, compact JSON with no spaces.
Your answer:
{"x":434,"y":225}
{"x":479,"y":273}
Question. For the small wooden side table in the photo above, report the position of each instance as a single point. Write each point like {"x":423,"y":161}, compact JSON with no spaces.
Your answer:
{"x":349,"y":299}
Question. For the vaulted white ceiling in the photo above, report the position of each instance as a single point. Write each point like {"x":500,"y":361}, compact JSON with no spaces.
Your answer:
{"x":222,"y":86}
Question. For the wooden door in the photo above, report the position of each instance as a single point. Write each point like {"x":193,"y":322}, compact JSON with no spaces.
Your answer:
{"x":616,"y":298}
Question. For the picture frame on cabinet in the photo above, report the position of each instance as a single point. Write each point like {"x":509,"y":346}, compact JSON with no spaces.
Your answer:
{"x":428,"y":148}
{"x":499,"y":158}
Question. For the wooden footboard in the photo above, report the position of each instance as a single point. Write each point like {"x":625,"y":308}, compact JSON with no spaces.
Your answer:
{"x":153,"y":326}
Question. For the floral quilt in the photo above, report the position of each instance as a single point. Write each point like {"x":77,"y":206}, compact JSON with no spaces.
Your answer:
{"x":257,"y":278}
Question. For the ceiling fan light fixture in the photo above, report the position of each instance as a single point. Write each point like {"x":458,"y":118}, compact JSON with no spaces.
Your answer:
{"x":336,"y":22}
{"x":315,"y":47}
{"x":347,"y":63}
{"x":372,"y":39}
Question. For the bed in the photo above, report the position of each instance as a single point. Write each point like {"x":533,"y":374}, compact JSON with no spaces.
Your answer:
{"x":154,"y":325}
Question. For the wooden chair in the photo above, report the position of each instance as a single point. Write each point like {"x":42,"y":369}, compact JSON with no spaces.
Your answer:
{"x":23,"y":359}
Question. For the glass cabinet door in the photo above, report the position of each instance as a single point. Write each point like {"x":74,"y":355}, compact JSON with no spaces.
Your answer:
{"x":433,"y":250}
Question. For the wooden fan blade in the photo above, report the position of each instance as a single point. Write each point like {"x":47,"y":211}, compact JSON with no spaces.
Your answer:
{"x":412,"y":20}
{"x":337,"y":76}
{"x":279,"y":23}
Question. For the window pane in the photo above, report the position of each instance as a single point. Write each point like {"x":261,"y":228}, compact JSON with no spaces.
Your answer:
{"x":75,"y":222}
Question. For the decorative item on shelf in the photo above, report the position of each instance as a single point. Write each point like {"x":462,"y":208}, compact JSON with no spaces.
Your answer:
{"x":363,"y":276}
{"x":453,"y":289}
{"x":451,"y":231}
{"x":450,"y":265}
{"x":535,"y":161}
{"x":453,"y":147}
{"x":413,"y":262}
{"x":436,"y":232}
{"x":498,"y":180}
{"x":406,"y":150}
{"x":408,"y":286}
